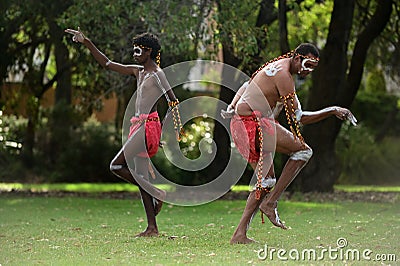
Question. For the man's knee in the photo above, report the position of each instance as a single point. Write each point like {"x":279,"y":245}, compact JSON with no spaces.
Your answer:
{"x":302,"y":155}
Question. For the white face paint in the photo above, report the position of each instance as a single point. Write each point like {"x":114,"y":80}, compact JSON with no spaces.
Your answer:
{"x":303,"y":64}
{"x":272,"y":69}
{"x":137,"y":51}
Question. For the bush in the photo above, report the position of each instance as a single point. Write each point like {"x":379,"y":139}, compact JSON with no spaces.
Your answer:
{"x":11,"y":136}
{"x":89,"y":151}
{"x":366,"y":162}
{"x":88,"y":155}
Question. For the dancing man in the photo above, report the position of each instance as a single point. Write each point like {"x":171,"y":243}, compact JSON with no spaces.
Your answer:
{"x":273,"y":84}
{"x":132,"y":162}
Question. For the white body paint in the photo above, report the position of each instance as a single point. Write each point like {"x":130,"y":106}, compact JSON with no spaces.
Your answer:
{"x":272,"y":69}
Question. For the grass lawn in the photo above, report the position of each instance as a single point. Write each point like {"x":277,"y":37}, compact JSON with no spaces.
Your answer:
{"x":93,"y":231}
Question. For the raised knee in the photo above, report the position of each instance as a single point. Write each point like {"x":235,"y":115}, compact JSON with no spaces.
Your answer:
{"x":302,"y":155}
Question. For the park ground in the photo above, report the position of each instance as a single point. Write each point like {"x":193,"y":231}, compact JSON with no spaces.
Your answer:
{"x":85,"y":228}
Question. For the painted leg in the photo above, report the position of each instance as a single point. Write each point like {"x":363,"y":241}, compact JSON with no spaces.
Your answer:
{"x":148,"y":205}
{"x":151,"y":205}
{"x":270,"y":205}
{"x":240,"y":234}
{"x":124,"y":173}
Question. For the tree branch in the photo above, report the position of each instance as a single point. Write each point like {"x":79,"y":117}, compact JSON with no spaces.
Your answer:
{"x":375,"y":26}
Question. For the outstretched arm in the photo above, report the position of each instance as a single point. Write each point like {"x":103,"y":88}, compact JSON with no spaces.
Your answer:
{"x":316,"y":116}
{"x":101,"y":58}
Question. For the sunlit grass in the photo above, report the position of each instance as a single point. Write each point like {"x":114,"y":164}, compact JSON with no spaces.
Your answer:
{"x":356,"y":188}
{"x":92,"y":231}
{"x":75,"y":187}
{"x":115,"y":187}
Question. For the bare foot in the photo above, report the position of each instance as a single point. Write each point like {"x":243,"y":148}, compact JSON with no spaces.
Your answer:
{"x":241,"y":240}
{"x":148,"y":233}
{"x":271,"y":211}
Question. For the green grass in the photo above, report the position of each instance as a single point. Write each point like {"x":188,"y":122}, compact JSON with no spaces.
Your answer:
{"x":74,"y":187}
{"x":91,"y":231}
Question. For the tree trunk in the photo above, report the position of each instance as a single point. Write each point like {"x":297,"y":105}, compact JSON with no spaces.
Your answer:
{"x":62,"y":111}
{"x":283,"y":32}
{"x":322,"y":169}
{"x":32,"y":110}
{"x":332,"y":86}
{"x":221,"y":137}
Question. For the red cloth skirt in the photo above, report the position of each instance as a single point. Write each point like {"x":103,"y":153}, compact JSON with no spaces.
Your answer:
{"x":152,"y":130}
{"x":244,"y":131}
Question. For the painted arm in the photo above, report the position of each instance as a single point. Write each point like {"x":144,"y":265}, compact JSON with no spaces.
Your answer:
{"x":100,"y":57}
{"x":309,"y":117}
{"x":173,"y":103}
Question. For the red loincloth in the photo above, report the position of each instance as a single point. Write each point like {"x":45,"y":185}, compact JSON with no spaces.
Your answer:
{"x":244,"y":132}
{"x":152,"y":129}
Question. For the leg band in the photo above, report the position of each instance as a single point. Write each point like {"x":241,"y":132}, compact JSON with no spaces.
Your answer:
{"x":302,"y":155}
{"x":114,"y":167}
{"x":267,"y":182}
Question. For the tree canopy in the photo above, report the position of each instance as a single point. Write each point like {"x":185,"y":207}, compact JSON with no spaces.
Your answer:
{"x":357,"y":39}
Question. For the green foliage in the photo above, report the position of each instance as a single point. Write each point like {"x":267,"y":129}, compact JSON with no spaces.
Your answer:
{"x":366,"y":162}
{"x":375,"y":81}
{"x":11,"y":138}
{"x":308,"y":22}
{"x":88,"y":154}
{"x":186,"y":29}
{"x":369,"y":152}
{"x":11,"y":130}
{"x":85,"y":156}
{"x":198,"y":129}
{"x":239,"y":34}
{"x":374,"y":107}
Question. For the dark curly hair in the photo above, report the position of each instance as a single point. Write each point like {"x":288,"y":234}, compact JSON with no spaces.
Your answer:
{"x":307,"y":48}
{"x":148,"y":40}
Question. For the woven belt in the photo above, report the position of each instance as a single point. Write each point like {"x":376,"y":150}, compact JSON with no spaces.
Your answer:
{"x":151,"y":119}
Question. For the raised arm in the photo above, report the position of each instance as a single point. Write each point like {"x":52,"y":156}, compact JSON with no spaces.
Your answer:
{"x":100,"y":57}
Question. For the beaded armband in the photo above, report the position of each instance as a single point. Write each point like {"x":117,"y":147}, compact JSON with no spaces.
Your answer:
{"x":288,"y":103}
{"x":173,"y":105}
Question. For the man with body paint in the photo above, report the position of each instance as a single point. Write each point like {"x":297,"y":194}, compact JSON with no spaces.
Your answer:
{"x":273,"y":85}
{"x":131,"y":163}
